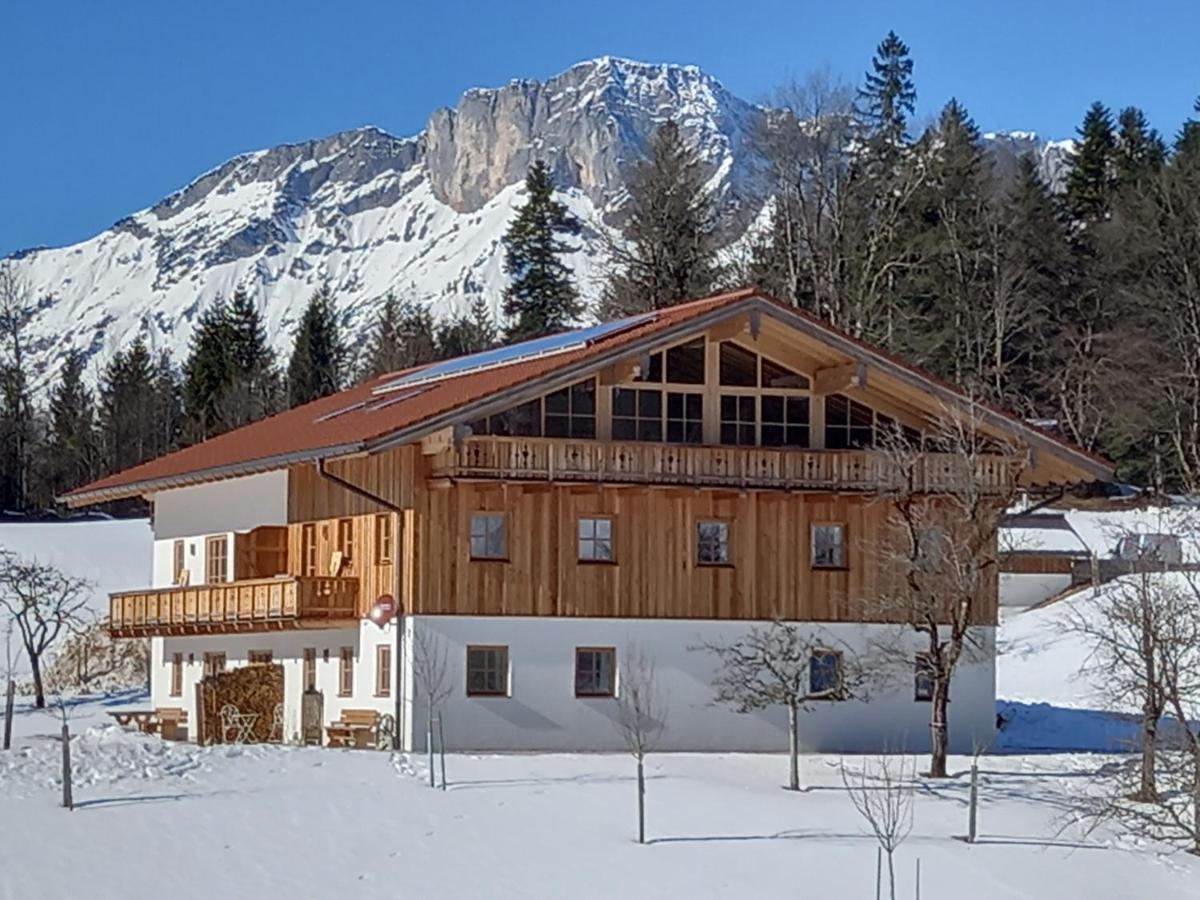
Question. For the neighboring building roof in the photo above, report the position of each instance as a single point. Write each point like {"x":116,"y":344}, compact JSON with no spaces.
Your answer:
{"x":364,"y":419}
{"x":1041,"y":533}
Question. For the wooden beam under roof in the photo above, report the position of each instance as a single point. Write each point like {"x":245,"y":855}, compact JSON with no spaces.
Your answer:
{"x":839,"y":378}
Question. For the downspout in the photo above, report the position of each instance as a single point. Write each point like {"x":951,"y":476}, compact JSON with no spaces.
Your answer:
{"x":398,"y":620}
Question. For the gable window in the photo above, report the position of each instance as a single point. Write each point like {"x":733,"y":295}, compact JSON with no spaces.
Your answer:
{"x":637,"y":415}
{"x":739,"y":366}
{"x":259,"y":657}
{"x":520,"y":421}
{"x":825,"y":675}
{"x":923,"y":678}
{"x":383,"y":670}
{"x":595,"y":540}
{"x":346,"y":672}
{"x":308,"y":549}
{"x":712,"y":543}
{"x":685,"y":363}
{"x":489,"y":539}
{"x":738,"y":420}
{"x":650,"y":368}
{"x":310,"y":668}
{"x":848,"y":423}
{"x":216,"y":559}
{"x":829,"y":546}
{"x":177,"y":675}
{"x":685,"y":418}
{"x":177,"y":563}
{"x":595,"y":670}
{"x":383,"y":539}
{"x":571,"y":412}
{"x":214,"y":664}
{"x":487,"y":671}
{"x":784,"y":421}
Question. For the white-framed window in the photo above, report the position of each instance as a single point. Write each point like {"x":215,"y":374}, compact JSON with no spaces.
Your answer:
{"x":346,"y":672}
{"x":595,"y":671}
{"x":487,"y":671}
{"x":489,"y":536}
{"x":712,"y":542}
{"x":829,"y":545}
{"x":596,"y":539}
{"x":383,"y":670}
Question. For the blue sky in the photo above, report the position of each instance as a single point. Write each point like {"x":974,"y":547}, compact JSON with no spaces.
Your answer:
{"x":108,"y":106}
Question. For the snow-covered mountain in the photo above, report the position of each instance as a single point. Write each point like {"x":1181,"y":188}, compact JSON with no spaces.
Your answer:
{"x":371,"y":213}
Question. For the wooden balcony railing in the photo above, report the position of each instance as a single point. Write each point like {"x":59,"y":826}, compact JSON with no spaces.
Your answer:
{"x":564,"y":460}
{"x":260,"y":604}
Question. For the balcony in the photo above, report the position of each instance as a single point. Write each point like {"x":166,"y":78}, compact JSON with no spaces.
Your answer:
{"x":541,"y":459}
{"x":258,"y":604}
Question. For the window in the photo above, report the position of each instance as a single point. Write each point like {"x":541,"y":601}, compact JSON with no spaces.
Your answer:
{"x":923,"y":678}
{"x":487,"y":671}
{"x":571,"y":412}
{"x":345,"y":541}
{"x":777,"y":376}
{"x":595,"y":540}
{"x":308,"y":549}
{"x":383,"y":670}
{"x":520,"y":421}
{"x":346,"y":673}
{"x":1159,"y":548}
{"x":310,"y":668}
{"x":177,"y":563}
{"x":712,"y":543}
{"x":784,"y":421}
{"x":738,"y":420}
{"x":650,"y":368}
{"x":685,"y":363}
{"x":488,"y":539}
{"x":637,"y":415}
{"x":259,"y":657}
{"x":214,"y":664}
{"x":685,"y":418}
{"x":177,"y":675}
{"x":848,"y":423}
{"x":739,"y":366}
{"x":829,"y":546}
{"x":594,"y":671}
{"x":216,"y":559}
{"x":825,"y":675}
{"x":383,"y":540}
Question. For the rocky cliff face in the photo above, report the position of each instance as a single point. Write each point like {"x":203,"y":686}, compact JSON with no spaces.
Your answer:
{"x":372,"y":213}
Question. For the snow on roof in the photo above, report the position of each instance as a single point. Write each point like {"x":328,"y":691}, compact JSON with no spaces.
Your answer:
{"x":1101,"y":531}
{"x":1044,"y":532}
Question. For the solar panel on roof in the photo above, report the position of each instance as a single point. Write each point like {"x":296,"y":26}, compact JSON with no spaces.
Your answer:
{"x":504,"y":356}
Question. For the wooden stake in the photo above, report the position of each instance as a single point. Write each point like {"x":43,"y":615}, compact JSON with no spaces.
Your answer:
{"x":442,"y":749}
{"x":974,"y":802}
{"x":67,"y":800}
{"x":9,"y":694}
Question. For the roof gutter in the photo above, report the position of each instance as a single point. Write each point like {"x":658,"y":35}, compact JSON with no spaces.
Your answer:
{"x":354,"y":488}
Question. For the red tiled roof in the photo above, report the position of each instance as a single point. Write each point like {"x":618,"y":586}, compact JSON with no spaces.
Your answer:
{"x":358,"y":419}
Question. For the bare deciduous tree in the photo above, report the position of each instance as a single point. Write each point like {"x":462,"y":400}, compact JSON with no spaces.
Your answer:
{"x":43,"y":603}
{"x":431,"y":680}
{"x":882,"y":792}
{"x":941,"y":549}
{"x":641,"y":717}
{"x":774,"y":666}
{"x":89,"y":659}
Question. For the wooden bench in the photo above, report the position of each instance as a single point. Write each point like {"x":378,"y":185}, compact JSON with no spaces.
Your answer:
{"x":172,"y":723}
{"x":356,"y":728}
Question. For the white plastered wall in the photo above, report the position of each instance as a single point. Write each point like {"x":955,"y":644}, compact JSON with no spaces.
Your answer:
{"x":287,"y":649}
{"x":543,"y":713}
{"x":1022,"y":590}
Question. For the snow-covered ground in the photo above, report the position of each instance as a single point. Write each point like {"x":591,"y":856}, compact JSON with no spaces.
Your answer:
{"x":157,"y":818}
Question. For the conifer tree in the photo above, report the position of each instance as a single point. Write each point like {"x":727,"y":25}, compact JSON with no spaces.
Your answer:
{"x":1092,"y":176}
{"x":669,"y":249}
{"x":16,"y":401}
{"x":316,"y":368}
{"x":128,"y":407}
{"x":470,"y":332}
{"x":74,"y":459}
{"x":254,"y":389}
{"x":1139,"y":151}
{"x":541,"y":297}
{"x":402,"y":337}
{"x":208,"y":371}
{"x":888,"y":97}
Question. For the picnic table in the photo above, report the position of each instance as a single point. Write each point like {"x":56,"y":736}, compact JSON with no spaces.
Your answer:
{"x":145,"y":720}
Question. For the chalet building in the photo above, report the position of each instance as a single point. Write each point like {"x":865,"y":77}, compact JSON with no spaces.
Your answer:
{"x":535,"y":512}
